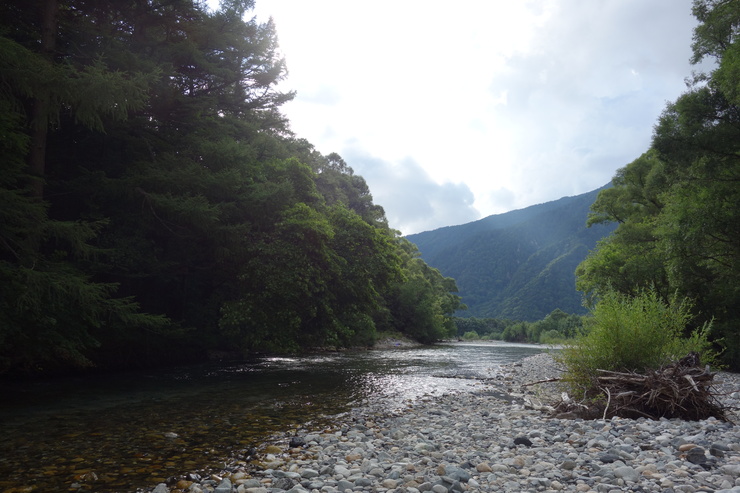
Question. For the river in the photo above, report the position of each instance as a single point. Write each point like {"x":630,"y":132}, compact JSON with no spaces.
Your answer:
{"x":133,"y":430}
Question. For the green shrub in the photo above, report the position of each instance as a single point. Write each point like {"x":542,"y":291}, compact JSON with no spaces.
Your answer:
{"x":471,"y":336}
{"x":552,"y":337}
{"x":516,"y":332}
{"x":633,"y":333}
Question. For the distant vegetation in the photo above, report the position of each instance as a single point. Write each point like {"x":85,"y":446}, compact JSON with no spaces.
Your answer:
{"x":555,"y":328}
{"x":519,"y":265}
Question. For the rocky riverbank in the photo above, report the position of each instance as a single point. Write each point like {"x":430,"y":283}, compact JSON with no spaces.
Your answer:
{"x":494,"y":439}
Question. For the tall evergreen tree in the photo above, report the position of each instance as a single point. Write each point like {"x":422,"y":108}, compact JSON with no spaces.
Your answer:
{"x":52,"y":311}
{"x":150,"y":170}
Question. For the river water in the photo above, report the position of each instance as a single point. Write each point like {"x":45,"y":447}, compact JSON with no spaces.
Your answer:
{"x":127,"y":431}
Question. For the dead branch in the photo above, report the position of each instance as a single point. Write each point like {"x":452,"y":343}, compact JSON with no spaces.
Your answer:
{"x":679,"y":390}
{"x":541,"y":381}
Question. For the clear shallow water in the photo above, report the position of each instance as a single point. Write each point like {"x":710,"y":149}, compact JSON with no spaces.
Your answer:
{"x":115,"y":433}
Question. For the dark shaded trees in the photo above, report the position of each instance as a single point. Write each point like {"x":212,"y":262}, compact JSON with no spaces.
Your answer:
{"x":313,"y":274}
{"x":155,"y":203}
{"x":52,"y":309}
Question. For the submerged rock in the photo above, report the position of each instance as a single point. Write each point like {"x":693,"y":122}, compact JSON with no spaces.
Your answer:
{"x":475,"y":441}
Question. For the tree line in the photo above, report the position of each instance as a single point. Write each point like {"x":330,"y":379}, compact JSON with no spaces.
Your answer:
{"x":678,"y":205}
{"x":154,"y":204}
{"x":557,"y":327}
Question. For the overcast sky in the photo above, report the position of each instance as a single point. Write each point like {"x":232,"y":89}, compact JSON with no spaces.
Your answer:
{"x":453,"y":111}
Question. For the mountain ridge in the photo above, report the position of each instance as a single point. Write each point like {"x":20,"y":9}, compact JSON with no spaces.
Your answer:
{"x":519,"y":264}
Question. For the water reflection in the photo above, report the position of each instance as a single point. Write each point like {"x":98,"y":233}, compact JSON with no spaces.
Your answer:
{"x":117,"y":433}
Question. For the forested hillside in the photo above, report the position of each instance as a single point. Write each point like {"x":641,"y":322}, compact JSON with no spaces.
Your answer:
{"x":518,"y":265}
{"x":154,"y":204}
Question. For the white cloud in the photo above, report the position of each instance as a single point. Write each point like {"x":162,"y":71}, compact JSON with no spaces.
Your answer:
{"x":480,"y":107}
{"x":411,"y":199}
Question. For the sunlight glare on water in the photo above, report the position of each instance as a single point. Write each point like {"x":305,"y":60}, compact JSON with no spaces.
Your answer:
{"x":119,"y":428}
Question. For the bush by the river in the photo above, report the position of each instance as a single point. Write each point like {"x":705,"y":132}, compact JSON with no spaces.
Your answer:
{"x":634,"y":334}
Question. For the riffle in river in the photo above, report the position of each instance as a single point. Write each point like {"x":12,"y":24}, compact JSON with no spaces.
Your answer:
{"x":128,"y":431}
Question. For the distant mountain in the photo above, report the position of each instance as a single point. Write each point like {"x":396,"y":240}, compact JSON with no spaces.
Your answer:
{"x":518,"y":265}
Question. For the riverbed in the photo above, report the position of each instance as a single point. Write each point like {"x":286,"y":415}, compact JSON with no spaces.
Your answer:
{"x":127,"y":431}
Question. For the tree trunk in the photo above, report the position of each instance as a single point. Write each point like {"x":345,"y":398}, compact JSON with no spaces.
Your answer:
{"x":40,"y":114}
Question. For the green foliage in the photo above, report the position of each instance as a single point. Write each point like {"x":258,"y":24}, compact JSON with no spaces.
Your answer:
{"x":517,"y":332}
{"x":422,"y":304}
{"x":629,"y":260}
{"x":153,"y":200}
{"x":518,"y":265}
{"x":678,"y":205}
{"x":552,"y":337}
{"x":471,"y":336}
{"x":314,"y":278}
{"x":634,"y":333}
{"x":51,"y":312}
{"x":555,"y":328}
{"x":91,"y":92}
{"x":482,"y":326}
{"x":717,"y":29}
{"x":557,"y":325}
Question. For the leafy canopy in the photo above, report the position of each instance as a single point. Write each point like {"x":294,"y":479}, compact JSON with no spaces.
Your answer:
{"x":678,"y":205}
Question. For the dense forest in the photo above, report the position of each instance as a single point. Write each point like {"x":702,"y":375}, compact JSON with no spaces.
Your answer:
{"x":519,"y":265}
{"x":677,"y":206}
{"x":155,"y":206}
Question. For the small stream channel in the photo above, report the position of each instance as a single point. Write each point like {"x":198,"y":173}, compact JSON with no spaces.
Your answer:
{"x":133,"y":430}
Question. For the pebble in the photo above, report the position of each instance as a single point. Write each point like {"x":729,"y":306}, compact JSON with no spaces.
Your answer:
{"x":496,"y":438}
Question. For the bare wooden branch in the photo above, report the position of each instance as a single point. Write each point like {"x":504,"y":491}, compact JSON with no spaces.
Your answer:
{"x":693,"y":384}
{"x":608,"y":401}
{"x":682,"y":389}
{"x":541,"y":381}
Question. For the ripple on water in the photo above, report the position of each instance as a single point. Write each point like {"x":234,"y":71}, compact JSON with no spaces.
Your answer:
{"x":124,"y":432}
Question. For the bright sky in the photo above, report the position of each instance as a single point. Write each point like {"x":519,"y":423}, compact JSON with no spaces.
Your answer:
{"x":456,"y":111}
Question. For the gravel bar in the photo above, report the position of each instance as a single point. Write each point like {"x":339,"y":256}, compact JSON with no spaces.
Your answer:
{"x":496,"y":438}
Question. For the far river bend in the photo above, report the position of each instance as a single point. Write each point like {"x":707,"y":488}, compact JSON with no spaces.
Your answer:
{"x":127,"y":431}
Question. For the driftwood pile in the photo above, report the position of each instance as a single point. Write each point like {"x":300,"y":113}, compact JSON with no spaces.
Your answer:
{"x":679,"y":390}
